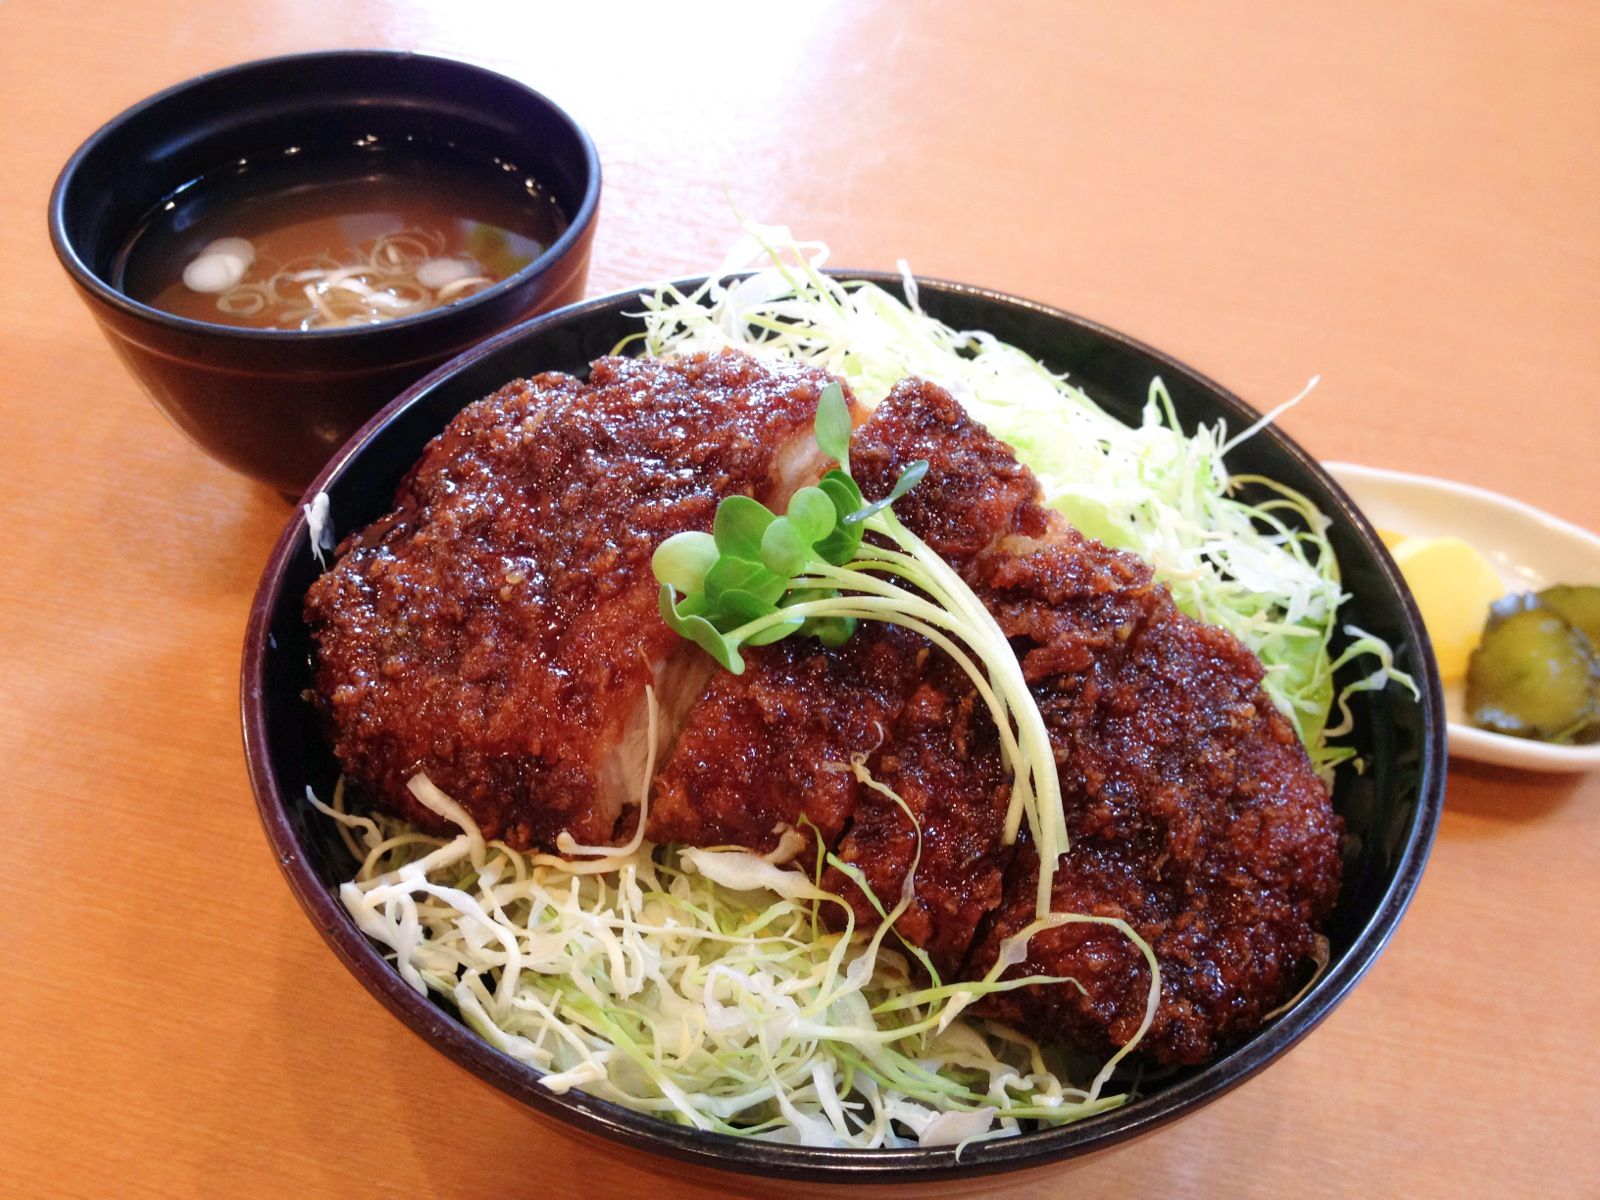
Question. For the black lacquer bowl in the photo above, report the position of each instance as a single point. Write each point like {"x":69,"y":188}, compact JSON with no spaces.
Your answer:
{"x":1390,"y":810}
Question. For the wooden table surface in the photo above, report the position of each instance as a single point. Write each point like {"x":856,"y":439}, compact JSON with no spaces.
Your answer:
{"x":1402,"y":197}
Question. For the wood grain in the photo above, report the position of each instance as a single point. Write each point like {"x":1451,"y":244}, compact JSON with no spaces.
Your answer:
{"x":1402,"y":197}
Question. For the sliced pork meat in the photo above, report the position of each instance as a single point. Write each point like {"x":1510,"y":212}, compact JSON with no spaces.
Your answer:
{"x":498,"y":629}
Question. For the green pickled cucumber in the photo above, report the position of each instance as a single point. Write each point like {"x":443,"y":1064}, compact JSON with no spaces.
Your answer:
{"x":1534,"y":676}
{"x":1578,"y":606}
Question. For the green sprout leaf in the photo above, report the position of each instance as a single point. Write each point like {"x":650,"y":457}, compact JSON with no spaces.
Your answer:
{"x":740,"y":584}
{"x":812,"y":514}
{"x":841,"y":544}
{"x":832,"y":632}
{"x":701,"y":632}
{"x":740,"y":575}
{"x":738,"y":526}
{"x":834,"y":425}
{"x":683,"y":560}
{"x":783,"y":551}
{"x":909,"y":478}
{"x":744,"y":607}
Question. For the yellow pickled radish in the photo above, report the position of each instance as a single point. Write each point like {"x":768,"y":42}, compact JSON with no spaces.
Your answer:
{"x":1454,"y":586}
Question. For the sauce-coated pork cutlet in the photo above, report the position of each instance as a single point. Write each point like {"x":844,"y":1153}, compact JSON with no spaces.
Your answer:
{"x":498,"y":629}
{"x":1193,"y":811}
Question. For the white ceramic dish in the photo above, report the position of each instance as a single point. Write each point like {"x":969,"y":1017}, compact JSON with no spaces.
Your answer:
{"x":1530,"y":549}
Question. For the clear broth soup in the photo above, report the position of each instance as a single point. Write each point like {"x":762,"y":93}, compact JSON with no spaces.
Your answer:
{"x":331,"y":237}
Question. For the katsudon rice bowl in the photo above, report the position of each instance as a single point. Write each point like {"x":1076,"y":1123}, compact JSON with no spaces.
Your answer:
{"x":841,"y":726}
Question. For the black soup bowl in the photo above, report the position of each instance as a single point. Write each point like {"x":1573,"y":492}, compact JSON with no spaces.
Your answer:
{"x":275,"y":404}
{"x":1390,"y":809}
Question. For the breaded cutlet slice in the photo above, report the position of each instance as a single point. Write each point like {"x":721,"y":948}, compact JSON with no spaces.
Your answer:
{"x":498,"y":629}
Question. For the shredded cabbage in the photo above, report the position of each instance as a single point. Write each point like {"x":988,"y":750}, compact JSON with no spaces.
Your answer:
{"x":703,"y":987}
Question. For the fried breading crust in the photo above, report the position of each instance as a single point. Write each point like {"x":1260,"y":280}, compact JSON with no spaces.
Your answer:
{"x":498,"y":628}
{"x":941,"y":758}
{"x":766,"y":752}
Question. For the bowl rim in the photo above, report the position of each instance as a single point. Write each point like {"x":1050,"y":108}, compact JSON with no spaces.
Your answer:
{"x":587,"y":1115}
{"x":579,"y":222}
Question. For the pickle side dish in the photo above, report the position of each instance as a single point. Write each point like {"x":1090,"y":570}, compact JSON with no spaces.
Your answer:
{"x":1536,"y":671}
